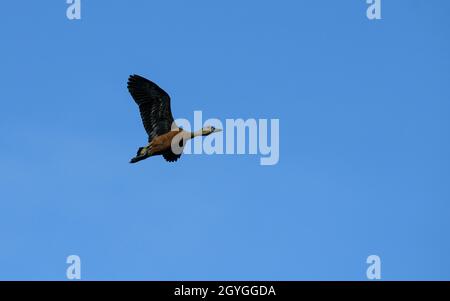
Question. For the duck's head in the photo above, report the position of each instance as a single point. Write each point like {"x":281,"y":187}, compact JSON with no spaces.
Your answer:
{"x":208,"y":130}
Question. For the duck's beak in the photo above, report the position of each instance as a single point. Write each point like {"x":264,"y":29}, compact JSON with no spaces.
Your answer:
{"x":217,"y":130}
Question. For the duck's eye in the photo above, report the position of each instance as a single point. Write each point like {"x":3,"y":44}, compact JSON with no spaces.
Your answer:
{"x":213,"y":128}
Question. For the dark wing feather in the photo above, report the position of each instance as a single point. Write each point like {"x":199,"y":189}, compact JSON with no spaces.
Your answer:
{"x":170,"y":157}
{"x":154,"y":105}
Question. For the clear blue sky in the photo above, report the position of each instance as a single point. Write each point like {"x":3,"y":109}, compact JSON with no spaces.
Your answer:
{"x":364,"y":153}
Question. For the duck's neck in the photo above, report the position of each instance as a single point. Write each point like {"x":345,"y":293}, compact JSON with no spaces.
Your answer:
{"x":196,"y":133}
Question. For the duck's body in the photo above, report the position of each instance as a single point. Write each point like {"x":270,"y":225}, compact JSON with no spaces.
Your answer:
{"x":161,"y":145}
{"x":164,"y":136}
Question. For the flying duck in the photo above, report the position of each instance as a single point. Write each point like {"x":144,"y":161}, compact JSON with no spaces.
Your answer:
{"x":164,"y":136}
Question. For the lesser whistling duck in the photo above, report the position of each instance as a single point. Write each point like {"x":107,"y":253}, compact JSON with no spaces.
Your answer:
{"x":154,"y":106}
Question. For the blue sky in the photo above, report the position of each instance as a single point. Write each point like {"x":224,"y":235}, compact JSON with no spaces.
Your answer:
{"x":364,"y":140}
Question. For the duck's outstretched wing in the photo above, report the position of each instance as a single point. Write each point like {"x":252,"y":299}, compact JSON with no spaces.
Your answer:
{"x":154,"y":105}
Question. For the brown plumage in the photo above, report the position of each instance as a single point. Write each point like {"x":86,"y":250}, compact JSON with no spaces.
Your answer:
{"x":164,"y":136}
